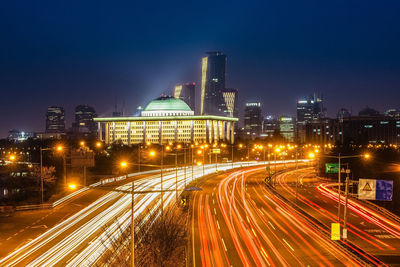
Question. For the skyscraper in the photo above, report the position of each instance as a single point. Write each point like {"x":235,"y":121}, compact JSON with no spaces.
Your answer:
{"x":55,"y":120}
{"x":252,"y":119}
{"x":310,"y":109}
{"x":186,"y":92}
{"x":230,"y":96}
{"x":213,"y":75}
{"x":84,"y":122}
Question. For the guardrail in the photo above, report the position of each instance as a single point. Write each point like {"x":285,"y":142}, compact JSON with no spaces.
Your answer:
{"x":34,"y":207}
{"x":123,"y":177}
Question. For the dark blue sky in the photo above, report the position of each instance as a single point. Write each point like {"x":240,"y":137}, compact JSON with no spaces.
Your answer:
{"x":93,"y":52}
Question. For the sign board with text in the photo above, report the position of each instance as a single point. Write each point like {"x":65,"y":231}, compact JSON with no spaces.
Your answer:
{"x":332,"y":167}
{"x":216,"y":151}
{"x":370,"y":189}
{"x":335,"y":231}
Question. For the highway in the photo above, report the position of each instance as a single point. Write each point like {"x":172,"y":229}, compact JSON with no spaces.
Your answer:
{"x":237,"y":220}
{"x":375,"y":231}
{"x":82,"y":237}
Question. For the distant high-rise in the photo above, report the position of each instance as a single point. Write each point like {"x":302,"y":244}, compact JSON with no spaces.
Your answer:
{"x":186,"y":92}
{"x":252,"y":119}
{"x":213,"y":75}
{"x":84,"y":122}
{"x":269,"y":126}
{"x":230,"y":96}
{"x":55,"y":120}
{"x":287,"y":128}
{"x":310,"y":109}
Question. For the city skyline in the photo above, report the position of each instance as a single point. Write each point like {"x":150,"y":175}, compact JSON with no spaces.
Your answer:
{"x":275,"y":59}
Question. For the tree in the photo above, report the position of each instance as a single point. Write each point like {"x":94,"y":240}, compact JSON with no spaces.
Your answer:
{"x":48,"y":173}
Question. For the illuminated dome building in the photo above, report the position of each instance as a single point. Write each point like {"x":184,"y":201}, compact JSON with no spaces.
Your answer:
{"x":166,"y":119}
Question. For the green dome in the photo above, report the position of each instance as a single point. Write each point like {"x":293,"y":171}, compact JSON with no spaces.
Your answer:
{"x":167,"y":103}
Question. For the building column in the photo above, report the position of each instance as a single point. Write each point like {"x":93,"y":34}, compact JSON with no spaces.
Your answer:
{"x":107,"y":132}
{"x":113,"y":131}
{"x":99,"y":131}
{"x":232,"y":132}
{"x":207,"y":131}
{"x":129,"y":133}
{"x":144,"y":132}
{"x":191,"y":131}
{"x":212,"y":132}
{"x":159,"y":133}
{"x":176,"y":131}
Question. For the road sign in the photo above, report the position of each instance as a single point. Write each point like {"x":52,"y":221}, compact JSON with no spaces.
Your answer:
{"x":371,"y":189}
{"x":367,"y":189}
{"x":331,"y":167}
{"x":216,"y":151}
{"x":183,"y":201}
{"x":335,"y":231}
{"x":384,"y":190}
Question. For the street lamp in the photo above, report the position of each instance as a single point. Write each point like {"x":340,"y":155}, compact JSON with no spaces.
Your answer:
{"x":124,"y":165}
{"x":340,"y":157}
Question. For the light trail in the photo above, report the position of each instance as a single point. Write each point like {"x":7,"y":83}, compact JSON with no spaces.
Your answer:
{"x":79,"y":240}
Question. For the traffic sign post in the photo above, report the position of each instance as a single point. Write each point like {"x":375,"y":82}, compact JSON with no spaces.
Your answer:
{"x":335,"y":231}
{"x":331,"y":167}
{"x":370,"y":189}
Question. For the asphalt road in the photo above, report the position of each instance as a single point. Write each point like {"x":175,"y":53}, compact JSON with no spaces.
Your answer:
{"x":369,"y":229}
{"x":237,"y":220}
{"x":76,"y":232}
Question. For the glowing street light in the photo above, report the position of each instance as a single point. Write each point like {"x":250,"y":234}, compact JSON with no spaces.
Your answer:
{"x":311,"y":155}
{"x":59,"y":148}
{"x":82,"y":143}
{"x":123,"y":164}
{"x":367,"y":156}
{"x":12,"y":157}
{"x":152,"y":153}
{"x":72,"y":186}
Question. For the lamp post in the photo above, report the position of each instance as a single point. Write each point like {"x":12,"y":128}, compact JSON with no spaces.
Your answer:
{"x":340,"y":157}
{"x":124,"y":166}
{"x":41,"y":174}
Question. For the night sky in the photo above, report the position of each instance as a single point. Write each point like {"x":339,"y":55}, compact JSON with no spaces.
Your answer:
{"x":103,"y":52}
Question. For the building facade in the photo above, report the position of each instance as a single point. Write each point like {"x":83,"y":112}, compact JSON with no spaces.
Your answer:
{"x":163,"y":120}
{"x":84,"y":122}
{"x":230,"y":96}
{"x":213,"y":76}
{"x":186,"y":92}
{"x":55,"y":120}
{"x":252,"y":119}
{"x":359,"y":130}
{"x":287,"y":128}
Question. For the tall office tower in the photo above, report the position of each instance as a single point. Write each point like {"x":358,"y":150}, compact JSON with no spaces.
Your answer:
{"x":186,"y":92}
{"x":55,"y":120}
{"x":310,"y":109}
{"x":230,"y":98}
{"x":252,"y":119}
{"x":287,"y":128}
{"x":213,"y":75}
{"x":269,"y":126}
{"x":84,"y":122}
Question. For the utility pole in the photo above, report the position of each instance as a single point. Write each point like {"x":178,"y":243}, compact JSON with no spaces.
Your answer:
{"x":41,"y":176}
{"x":345,"y":205}
{"x":133,"y":225}
{"x":162,"y":197}
{"x":339,"y":191}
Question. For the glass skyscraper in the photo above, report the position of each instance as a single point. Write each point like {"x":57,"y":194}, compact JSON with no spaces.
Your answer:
{"x":213,"y":76}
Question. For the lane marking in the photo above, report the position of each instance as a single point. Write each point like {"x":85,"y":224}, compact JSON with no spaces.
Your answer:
{"x":223,"y":242}
{"x":271,"y":225}
{"x":288,"y":244}
{"x":218,"y":225}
